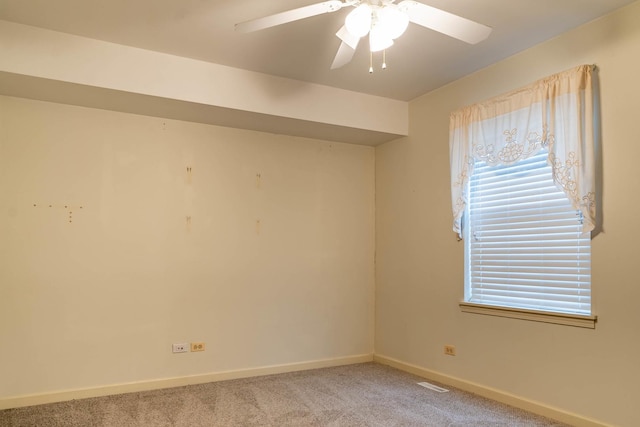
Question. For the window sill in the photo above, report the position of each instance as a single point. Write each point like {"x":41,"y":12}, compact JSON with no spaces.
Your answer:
{"x":577,"y":320}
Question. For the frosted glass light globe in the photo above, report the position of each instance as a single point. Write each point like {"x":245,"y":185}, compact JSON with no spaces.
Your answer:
{"x":392,"y":21}
{"x":358,"y":21}
{"x":378,"y":39}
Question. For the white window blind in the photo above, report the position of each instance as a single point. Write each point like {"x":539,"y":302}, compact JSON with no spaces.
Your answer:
{"x":524,"y":245}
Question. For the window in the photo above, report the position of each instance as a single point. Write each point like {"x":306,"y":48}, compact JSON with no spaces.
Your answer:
{"x":524,"y":244}
{"x":524,"y":200}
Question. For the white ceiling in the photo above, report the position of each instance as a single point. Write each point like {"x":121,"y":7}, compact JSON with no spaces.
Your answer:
{"x":420,"y":61}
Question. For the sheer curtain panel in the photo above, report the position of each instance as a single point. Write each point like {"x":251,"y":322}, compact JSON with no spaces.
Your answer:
{"x":554,"y":113}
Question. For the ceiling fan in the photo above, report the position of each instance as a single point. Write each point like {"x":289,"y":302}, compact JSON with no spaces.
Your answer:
{"x":383,"y":20}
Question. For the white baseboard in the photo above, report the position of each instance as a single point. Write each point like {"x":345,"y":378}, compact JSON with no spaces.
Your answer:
{"x":491,"y":393}
{"x":60,"y":396}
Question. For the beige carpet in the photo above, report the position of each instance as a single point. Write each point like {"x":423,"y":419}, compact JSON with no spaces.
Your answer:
{"x":357,"y":395}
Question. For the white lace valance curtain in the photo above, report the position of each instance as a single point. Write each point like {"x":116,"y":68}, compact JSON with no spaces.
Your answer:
{"x":554,"y":113}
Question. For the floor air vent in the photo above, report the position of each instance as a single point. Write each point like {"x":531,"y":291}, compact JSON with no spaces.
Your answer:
{"x":433,"y":387}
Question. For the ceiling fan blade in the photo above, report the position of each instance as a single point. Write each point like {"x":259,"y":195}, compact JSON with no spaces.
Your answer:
{"x":344,"y":35}
{"x":347,"y":48}
{"x":444,"y":22}
{"x":343,"y":56}
{"x":290,"y":16}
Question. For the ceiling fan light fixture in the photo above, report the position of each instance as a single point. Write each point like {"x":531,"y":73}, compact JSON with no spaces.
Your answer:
{"x":358,"y":21}
{"x":392,"y":21}
{"x":383,"y":20}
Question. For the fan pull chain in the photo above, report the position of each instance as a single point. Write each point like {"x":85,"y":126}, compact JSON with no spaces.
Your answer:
{"x":384,"y":61}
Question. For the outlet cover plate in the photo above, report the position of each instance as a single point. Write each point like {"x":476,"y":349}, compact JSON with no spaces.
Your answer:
{"x":197,"y":346}
{"x":180,"y":348}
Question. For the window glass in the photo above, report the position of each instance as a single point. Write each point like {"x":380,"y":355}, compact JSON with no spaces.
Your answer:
{"x":524,"y":245}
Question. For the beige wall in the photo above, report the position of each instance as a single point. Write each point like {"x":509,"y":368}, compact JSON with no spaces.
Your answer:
{"x":99,"y":300}
{"x":419,"y":269}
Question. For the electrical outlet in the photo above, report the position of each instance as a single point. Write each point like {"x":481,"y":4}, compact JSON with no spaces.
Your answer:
{"x":197,"y":346}
{"x":180,"y":348}
{"x":450,"y":350}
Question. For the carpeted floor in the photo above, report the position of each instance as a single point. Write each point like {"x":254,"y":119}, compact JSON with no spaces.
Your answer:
{"x":366,"y":394}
